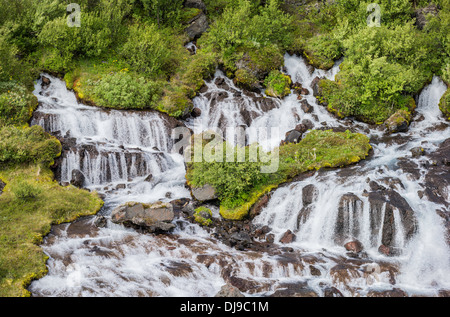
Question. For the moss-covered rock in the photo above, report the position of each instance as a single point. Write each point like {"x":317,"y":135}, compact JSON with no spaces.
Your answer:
{"x":444,"y":104}
{"x":398,"y":122}
{"x":277,"y":84}
{"x":203,"y":216}
{"x":254,"y":66}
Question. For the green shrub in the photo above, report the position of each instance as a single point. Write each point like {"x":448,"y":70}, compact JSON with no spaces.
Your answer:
{"x":124,"y":91}
{"x":240,"y":185}
{"x":444,"y":104}
{"x":24,"y":190}
{"x":27,"y":145}
{"x":16,"y":103}
{"x":278,"y":84}
{"x":152,"y":51}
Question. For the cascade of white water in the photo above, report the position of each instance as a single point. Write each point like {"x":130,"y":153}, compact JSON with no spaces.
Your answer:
{"x":324,"y":211}
{"x":111,"y":147}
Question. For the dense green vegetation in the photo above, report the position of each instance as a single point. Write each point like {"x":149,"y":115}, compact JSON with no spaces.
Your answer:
{"x":130,"y":54}
{"x":383,"y":66}
{"x":240,"y":184}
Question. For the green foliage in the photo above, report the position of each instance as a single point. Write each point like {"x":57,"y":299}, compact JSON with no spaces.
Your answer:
{"x":16,"y":103}
{"x":278,"y":84}
{"x":167,"y":12}
{"x":122,"y":90}
{"x":203,"y":216}
{"x":23,"y":190}
{"x":149,"y":50}
{"x":240,"y":184}
{"x":27,"y":145}
{"x":244,"y":28}
{"x":233,"y":181}
{"x":383,"y":68}
{"x":444,"y":104}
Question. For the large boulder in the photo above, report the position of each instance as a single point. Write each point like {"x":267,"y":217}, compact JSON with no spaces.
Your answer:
{"x":196,"y":4}
{"x":349,"y":214}
{"x":78,"y":179}
{"x":383,"y":207}
{"x":398,"y":122}
{"x":229,"y":290}
{"x":197,"y":27}
{"x":205,"y":193}
{"x":157,"y":217}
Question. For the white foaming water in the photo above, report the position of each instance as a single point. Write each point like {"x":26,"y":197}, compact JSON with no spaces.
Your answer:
{"x":225,"y":105}
{"x":112,"y":147}
{"x":114,"y":261}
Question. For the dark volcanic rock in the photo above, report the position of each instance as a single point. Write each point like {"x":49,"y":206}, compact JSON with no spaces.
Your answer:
{"x":229,"y":290}
{"x":349,"y":204}
{"x":388,"y":201}
{"x":2,"y":186}
{"x":354,"y":246}
{"x":196,"y":4}
{"x":288,"y":237}
{"x":78,"y":179}
{"x":153,"y":218}
{"x":293,"y":136}
{"x":306,"y":107}
{"x":197,"y":27}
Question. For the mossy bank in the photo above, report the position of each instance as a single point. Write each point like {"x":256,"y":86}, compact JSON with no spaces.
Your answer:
{"x":240,"y":185}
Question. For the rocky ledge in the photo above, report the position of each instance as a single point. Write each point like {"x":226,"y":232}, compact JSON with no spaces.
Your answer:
{"x":153,"y":218}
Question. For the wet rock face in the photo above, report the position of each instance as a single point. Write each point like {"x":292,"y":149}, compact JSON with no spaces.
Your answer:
{"x":349,"y":214}
{"x":422,"y":13}
{"x":205,"y":193}
{"x":437,"y":179}
{"x":437,"y":182}
{"x":196,"y":4}
{"x":153,"y":218}
{"x":2,"y":186}
{"x":389,"y":201}
{"x":78,"y":179}
{"x":198,"y":26}
{"x":229,"y":290}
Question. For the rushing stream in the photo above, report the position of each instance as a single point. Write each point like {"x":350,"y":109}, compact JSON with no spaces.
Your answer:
{"x":126,"y":156}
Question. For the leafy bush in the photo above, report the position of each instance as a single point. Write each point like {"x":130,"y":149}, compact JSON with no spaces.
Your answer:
{"x":383,"y":68}
{"x":203,"y":216}
{"x":151,"y":51}
{"x":16,"y":103}
{"x":240,"y":185}
{"x":123,"y":91}
{"x":27,"y":145}
{"x":278,"y":84}
{"x":444,"y":104}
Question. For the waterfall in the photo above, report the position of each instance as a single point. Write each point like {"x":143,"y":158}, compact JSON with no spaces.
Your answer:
{"x":376,"y":202}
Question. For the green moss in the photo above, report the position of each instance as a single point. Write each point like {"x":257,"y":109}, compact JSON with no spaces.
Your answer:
{"x":27,"y":145}
{"x":24,"y":223}
{"x":278,"y":84}
{"x":444,"y":104}
{"x":203,"y":216}
{"x":246,"y":79}
{"x":240,"y":185}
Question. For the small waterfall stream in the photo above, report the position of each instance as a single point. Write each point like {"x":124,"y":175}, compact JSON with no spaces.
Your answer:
{"x":376,"y":202}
